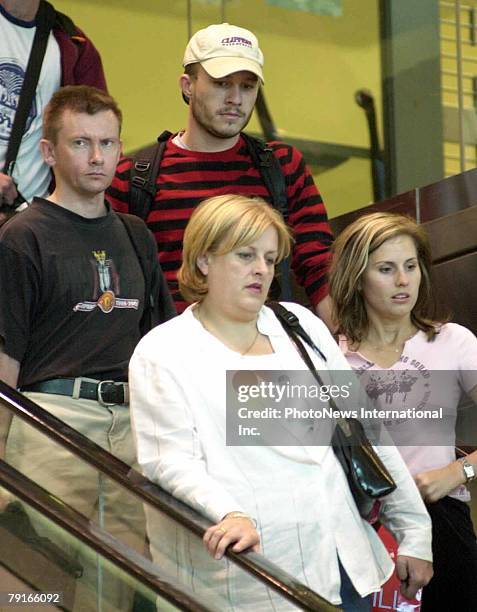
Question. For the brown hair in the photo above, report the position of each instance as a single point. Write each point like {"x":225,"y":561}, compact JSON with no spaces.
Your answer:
{"x":351,"y":252}
{"x":192,"y":70}
{"x":219,"y":225}
{"x":78,"y":99}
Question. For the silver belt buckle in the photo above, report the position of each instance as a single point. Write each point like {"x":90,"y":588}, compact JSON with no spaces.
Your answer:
{"x":100,"y":393}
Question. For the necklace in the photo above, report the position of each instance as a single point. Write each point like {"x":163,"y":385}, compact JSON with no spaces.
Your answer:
{"x":242,"y":353}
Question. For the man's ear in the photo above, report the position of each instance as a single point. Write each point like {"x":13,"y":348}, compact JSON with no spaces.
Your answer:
{"x":47,"y":150}
{"x":185,"y":83}
{"x":203,"y":263}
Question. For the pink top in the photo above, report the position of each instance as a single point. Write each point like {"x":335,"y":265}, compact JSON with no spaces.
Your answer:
{"x":413,"y":383}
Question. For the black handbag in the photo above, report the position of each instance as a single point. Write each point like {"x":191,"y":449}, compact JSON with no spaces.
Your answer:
{"x":368,"y":477}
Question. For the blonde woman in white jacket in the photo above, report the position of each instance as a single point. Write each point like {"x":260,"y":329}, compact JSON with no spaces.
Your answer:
{"x":290,"y":502}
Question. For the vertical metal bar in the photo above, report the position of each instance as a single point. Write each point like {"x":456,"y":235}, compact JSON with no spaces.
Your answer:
{"x":474,"y":102}
{"x":417,"y":197}
{"x":460,"y":88}
{"x":189,"y":19}
{"x":99,"y":560}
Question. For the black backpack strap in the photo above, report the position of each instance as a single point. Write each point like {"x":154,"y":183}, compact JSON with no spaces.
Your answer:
{"x":45,"y":18}
{"x":272,"y":176}
{"x":291,"y":324}
{"x":270,"y":171}
{"x":143,"y":176}
{"x":158,"y":304}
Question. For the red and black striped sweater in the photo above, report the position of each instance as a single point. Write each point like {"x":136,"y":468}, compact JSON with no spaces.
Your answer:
{"x":188,"y":177}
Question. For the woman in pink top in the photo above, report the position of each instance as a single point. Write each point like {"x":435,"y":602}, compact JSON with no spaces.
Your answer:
{"x":415,"y":368}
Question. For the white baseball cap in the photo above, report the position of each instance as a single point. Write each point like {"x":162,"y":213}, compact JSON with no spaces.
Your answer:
{"x":223,"y":49}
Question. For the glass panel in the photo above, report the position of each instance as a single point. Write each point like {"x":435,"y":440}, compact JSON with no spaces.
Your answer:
{"x":43,"y":565}
{"x":176,"y":552}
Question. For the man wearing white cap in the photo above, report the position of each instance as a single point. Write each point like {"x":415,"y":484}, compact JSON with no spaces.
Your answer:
{"x":222,"y":74}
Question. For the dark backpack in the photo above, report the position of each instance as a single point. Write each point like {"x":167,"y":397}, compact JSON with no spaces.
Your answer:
{"x":143,"y":185}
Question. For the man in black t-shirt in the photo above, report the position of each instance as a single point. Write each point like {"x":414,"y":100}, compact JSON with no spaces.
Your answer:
{"x":73,"y":302}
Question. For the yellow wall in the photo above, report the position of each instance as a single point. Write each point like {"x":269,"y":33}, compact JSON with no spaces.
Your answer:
{"x":313,"y":66}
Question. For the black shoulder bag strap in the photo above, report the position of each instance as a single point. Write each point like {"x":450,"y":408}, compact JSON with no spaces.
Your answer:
{"x":45,"y":19}
{"x":143,"y":176}
{"x":368,"y":478}
{"x":291,"y":324}
{"x":272,"y":176}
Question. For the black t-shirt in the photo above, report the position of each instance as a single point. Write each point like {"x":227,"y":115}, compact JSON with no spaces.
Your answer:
{"x":71,"y":293}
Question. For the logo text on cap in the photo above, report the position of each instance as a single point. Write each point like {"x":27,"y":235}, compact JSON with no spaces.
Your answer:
{"x":236,"y":40}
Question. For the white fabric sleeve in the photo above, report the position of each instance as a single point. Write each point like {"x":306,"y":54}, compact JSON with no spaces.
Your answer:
{"x":403,"y":512}
{"x":466,"y":350}
{"x":169,"y":450}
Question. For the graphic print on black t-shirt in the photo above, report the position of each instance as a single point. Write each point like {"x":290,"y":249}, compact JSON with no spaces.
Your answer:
{"x":106,"y":287}
{"x":78,"y":291}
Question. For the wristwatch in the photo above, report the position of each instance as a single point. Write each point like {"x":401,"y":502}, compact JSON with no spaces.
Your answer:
{"x":469,"y":471}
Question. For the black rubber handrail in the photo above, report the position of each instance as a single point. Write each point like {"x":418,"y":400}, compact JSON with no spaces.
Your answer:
{"x":124,"y":557}
{"x":256,"y":564}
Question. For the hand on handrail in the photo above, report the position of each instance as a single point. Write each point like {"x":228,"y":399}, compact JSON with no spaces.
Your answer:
{"x":237,"y":530}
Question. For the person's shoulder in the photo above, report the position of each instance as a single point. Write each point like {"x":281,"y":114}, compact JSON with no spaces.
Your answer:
{"x":64,"y":23}
{"x":310,"y":322}
{"x":279,"y":148}
{"x":279,"y":145}
{"x":302,"y":312}
{"x":132,"y":221}
{"x":165,"y":345}
{"x":453,"y":331}
{"x":168,"y":335}
{"x":141,"y":234}
{"x":284,"y":151}
{"x":25,"y":234}
{"x":25,"y":221}
{"x":65,"y":26}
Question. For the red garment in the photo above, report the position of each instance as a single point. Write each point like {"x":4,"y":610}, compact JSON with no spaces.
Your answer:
{"x":188,"y":177}
{"x":80,"y":60}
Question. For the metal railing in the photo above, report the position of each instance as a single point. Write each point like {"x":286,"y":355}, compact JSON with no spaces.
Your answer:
{"x":255,"y":564}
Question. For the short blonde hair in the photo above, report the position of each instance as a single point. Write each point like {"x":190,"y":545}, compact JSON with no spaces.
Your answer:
{"x":351,"y":251}
{"x":219,"y":225}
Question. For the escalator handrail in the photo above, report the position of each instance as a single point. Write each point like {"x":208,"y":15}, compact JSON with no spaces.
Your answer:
{"x":266,"y":571}
{"x":121,"y":555}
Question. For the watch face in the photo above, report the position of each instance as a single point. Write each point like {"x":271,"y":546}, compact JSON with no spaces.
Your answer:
{"x":468,"y":469}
